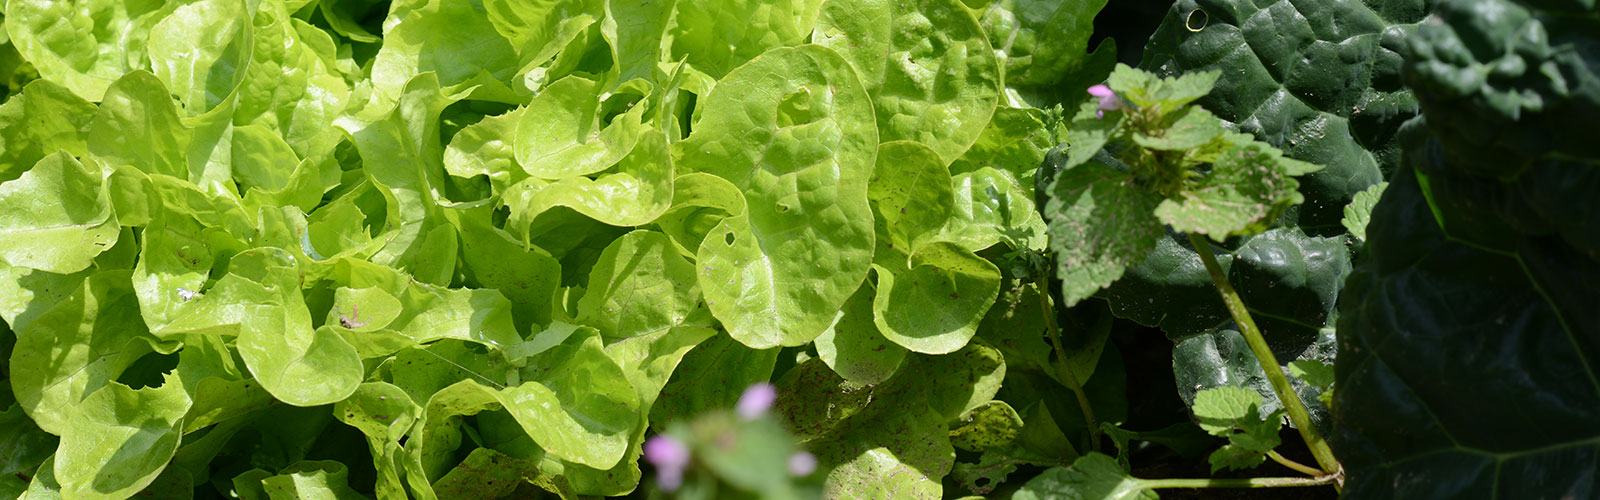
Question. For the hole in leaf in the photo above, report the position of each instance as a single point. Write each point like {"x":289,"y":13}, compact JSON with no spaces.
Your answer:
{"x":783,"y":207}
{"x":728,"y":238}
{"x":1190,"y":23}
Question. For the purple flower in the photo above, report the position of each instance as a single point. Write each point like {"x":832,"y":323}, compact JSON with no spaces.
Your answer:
{"x":1108,"y":100}
{"x":756,"y":400}
{"x":670,"y":456}
{"x":802,"y":464}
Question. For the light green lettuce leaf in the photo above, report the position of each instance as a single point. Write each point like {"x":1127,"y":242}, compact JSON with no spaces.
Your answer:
{"x":699,"y":202}
{"x":641,"y":285}
{"x":221,"y":389}
{"x":711,"y":376}
{"x":401,"y":152}
{"x":486,"y":148}
{"x":538,"y":30}
{"x":57,"y":217}
{"x":636,"y":191}
{"x":81,"y":344}
{"x":716,"y":36}
{"x":384,"y":414}
{"x":428,"y":312}
{"x":564,"y":133}
{"x":527,"y":276}
{"x":312,"y":480}
{"x":83,"y":46}
{"x":579,"y":404}
{"x":854,"y":348}
{"x":43,"y":119}
{"x":201,"y":51}
{"x":793,"y":130}
{"x":139,"y":125}
{"x":1014,"y":142}
{"x":293,"y":84}
{"x":119,"y":439}
{"x":935,"y":306}
{"x":931,"y":72}
{"x":908,"y":189}
{"x":991,"y":206}
{"x":455,"y":41}
{"x":298,"y":365}
{"x":1043,"y":41}
{"x":1092,"y":477}
{"x":25,"y":293}
{"x":634,"y":31}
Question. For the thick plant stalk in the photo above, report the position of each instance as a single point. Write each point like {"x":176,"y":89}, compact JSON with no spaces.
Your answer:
{"x":1054,"y":332}
{"x":1269,"y":363}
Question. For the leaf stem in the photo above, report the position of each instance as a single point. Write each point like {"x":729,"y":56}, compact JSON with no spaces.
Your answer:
{"x":1302,"y":468}
{"x":1054,"y":332}
{"x":1248,"y":482}
{"x":1269,"y":362}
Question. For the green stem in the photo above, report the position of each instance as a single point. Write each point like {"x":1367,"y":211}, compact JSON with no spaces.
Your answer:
{"x":1302,"y":468}
{"x":1269,"y":363}
{"x":1054,"y":332}
{"x":1249,"y":482}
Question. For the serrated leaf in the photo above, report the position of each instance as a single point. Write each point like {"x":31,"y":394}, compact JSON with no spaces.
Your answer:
{"x":1313,"y":372}
{"x":1100,"y":225}
{"x":1359,"y":211}
{"x":1149,"y":91}
{"x":1244,"y":192}
{"x":1223,"y":409}
{"x":1189,"y":128}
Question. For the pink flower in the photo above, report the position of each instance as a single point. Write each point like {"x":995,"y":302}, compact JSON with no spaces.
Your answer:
{"x":1108,"y":100}
{"x":802,"y":464}
{"x":671,"y":457}
{"x":756,"y":400}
